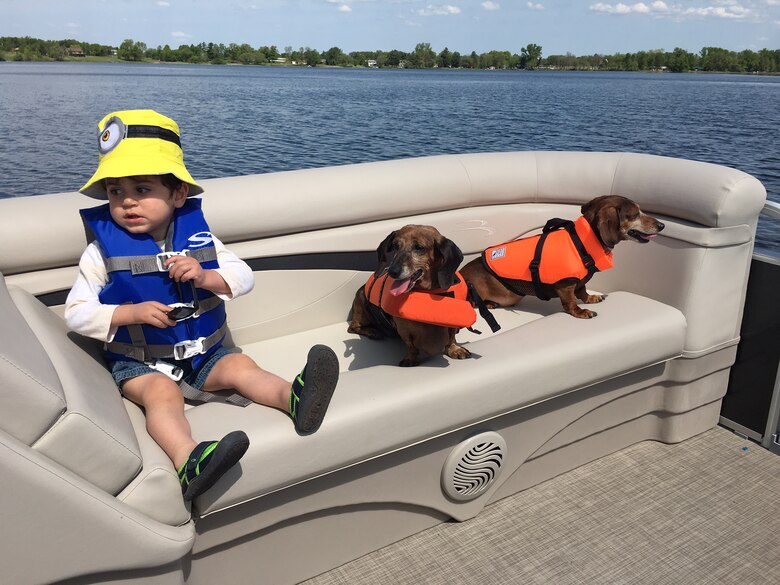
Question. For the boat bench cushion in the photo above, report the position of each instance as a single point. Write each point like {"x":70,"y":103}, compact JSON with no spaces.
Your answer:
{"x":59,"y":398}
{"x":382,"y":408}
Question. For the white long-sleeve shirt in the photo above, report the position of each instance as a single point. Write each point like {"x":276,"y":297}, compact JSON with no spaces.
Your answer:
{"x":85,"y":314}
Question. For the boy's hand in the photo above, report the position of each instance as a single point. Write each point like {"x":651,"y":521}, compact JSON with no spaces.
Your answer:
{"x":146,"y":313}
{"x":184,"y":269}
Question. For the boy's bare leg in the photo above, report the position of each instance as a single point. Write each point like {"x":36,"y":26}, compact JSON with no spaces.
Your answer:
{"x":164,"y":405}
{"x":305,"y":401}
{"x":240,"y":372}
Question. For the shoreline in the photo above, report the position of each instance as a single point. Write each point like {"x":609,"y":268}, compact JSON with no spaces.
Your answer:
{"x":117,"y":61}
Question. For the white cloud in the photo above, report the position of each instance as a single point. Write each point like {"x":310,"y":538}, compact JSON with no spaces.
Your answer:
{"x":72,"y":25}
{"x":163,"y":3}
{"x":718,"y":11}
{"x":180,"y":35}
{"x":344,"y":8}
{"x":726,"y":9}
{"x":441,"y":10}
{"x":535,"y":5}
{"x":491,"y":5}
{"x":620,"y":8}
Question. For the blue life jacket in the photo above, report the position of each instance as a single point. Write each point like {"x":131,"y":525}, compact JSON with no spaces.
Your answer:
{"x":135,"y":274}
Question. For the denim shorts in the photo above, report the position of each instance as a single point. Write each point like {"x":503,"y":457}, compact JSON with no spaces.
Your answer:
{"x":126,"y":369}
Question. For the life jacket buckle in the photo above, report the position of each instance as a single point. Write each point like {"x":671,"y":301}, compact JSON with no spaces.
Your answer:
{"x":175,"y":373}
{"x":163,"y":256}
{"x":189,"y":348}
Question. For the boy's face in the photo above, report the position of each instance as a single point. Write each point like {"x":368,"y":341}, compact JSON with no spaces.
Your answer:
{"x":143,"y":205}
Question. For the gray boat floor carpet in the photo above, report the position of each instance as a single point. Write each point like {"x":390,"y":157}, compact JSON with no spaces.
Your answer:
{"x":703,"y":511}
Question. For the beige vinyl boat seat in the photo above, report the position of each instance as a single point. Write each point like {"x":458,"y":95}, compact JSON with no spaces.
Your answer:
{"x":549,"y":391}
{"x":60,"y":399}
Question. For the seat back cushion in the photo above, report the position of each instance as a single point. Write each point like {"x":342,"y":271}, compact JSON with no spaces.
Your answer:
{"x":92,"y":435}
{"x":31,"y":396}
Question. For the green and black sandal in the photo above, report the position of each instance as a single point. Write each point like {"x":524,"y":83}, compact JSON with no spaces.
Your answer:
{"x":209,"y":461}
{"x":313,"y":388}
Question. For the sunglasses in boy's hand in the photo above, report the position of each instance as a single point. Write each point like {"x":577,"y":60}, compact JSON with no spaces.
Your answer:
{"x":182,"y":311}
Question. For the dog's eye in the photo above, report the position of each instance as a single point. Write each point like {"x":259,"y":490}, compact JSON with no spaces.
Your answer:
{"x":418,"y":248}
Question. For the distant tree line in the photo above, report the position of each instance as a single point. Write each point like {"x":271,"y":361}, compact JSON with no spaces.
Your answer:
{"x":30,"y":49}
{"x":679,"y":60}
{"x":422,"y":57}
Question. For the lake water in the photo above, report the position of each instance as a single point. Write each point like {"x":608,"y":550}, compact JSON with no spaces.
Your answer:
{"x":246,"y":120}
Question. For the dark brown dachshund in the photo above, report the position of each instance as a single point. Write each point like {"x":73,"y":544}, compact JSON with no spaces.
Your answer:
{"x":611,"y":218}
{"x":415,"y":257}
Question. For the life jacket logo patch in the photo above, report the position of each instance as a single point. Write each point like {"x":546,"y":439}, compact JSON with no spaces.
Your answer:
{"x":200,"y":239}
{"x":498,"y":253}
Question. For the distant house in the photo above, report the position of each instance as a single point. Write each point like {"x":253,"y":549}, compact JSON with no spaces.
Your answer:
{"x":371,"y":63}
{"x":75,"y":51}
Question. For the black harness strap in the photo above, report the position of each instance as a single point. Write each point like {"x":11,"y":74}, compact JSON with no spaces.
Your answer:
{"x":551,"y":226}
{"x":484,"y":312}
{"x":505,"y":281}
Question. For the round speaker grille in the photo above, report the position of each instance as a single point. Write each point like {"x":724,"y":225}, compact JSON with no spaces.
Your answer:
{"x":473,"y":466}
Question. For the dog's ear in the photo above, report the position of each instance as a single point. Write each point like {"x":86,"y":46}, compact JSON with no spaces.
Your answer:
{"x":608,"y":222}
{"x":591,"y":208}
{"x":383,"y":255}
{"x":448,"y":257}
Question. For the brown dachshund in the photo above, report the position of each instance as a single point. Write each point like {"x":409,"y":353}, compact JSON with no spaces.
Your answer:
{"x":611,"y":219}
{"x":416,"y":258}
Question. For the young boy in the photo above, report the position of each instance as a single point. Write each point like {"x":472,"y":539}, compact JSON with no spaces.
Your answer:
{"x":152,"y":286}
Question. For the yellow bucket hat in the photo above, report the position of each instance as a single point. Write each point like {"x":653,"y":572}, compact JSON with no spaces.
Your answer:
{"x":138,"y":142}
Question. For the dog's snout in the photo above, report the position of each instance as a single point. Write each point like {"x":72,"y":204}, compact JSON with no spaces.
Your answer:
{"x":395,"y":269}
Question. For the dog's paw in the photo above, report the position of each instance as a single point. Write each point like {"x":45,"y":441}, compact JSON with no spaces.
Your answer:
{"x":408,"y":363}
{"x":583,"y":314}
{"x":595,"y":299}
{"x":457,"y":352}
{"x":370,"y":332}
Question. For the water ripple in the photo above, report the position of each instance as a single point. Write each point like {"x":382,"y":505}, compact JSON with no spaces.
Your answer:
{"x":246,"y":120}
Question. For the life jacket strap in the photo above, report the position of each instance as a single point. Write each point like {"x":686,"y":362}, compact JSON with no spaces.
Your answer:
{"x":504,"y":281}
{"x":196,"y":395}
{"x":205,"y":305}
{"x":383,"y":319}
{"x":551,"y":226}
{"x":141,"y":351}
{"x":484,"y":312}
{"x":154,"y":262}
{"x":175,"y":373}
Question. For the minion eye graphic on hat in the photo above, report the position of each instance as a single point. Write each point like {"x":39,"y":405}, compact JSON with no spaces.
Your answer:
{"x":134,"y":143}
{"x":113,"y":133}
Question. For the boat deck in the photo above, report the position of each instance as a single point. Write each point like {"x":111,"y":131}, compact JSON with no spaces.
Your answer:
{"x":703,"y":511}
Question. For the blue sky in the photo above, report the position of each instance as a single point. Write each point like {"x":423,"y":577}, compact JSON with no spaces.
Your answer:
{"x":581,"y":28}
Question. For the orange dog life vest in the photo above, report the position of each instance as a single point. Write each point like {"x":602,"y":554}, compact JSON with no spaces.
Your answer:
{"x":551,"y":256}
{"x":444,"y":307}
